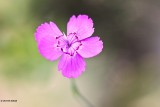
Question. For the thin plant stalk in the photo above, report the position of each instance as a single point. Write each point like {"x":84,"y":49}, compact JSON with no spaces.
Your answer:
{"x":77,"y":93}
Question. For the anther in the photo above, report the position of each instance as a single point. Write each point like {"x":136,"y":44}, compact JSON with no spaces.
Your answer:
{"x":62,"y":49}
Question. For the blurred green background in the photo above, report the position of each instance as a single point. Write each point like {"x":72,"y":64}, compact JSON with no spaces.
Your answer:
{"x":125,"y":74}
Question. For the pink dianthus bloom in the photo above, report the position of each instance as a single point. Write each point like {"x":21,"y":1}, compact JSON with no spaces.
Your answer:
{"x":73,"y":47}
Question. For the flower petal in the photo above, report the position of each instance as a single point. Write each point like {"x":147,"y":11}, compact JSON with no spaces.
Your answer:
{"x":48,"y":49}
{"x":82,"y":26}
{"x":90,"y":47}
{"x":47,"y":29}
{"x":71,"y":66}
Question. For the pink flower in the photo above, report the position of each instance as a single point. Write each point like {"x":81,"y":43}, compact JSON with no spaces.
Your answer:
{"x":73,"y":47}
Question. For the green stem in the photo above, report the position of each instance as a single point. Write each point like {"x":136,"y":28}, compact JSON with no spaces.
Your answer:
{"x":77,"y":93}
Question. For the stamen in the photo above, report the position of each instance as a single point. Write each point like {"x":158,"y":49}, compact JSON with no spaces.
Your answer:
{"x":59,"y":36}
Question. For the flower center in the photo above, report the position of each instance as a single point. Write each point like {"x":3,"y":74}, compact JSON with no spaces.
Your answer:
{"x":68,"y":44}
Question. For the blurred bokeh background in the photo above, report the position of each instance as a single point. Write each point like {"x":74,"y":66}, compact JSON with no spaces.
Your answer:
{"x":125,"y":74}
